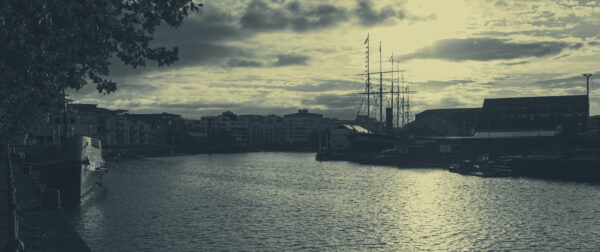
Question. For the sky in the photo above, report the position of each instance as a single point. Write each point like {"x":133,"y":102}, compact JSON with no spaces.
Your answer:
{"x":278,"y":56}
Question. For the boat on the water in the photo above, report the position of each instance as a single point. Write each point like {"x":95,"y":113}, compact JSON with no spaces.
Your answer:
{"x":74,"y":167}
{"x":483,"y":167}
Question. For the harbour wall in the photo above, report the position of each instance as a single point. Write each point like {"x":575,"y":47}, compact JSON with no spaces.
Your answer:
{"x":39,"y":228}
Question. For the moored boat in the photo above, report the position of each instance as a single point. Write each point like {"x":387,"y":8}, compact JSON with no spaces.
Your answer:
{"x":483,"y":167}
{"x":74,"y":167}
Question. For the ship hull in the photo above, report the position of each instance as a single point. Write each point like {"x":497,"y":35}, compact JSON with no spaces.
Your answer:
{"x":74,"y":168}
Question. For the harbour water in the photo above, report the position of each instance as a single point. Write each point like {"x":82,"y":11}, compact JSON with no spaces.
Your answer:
{"x":289,"y":201}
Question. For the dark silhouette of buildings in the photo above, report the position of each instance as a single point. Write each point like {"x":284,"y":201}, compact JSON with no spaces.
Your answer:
{"x":448,"y":122}
{"x":506,"y":116}
{"x":561,"y":113}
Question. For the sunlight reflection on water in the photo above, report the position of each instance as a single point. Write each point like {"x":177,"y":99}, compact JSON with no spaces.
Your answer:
{"x":288,"y":201}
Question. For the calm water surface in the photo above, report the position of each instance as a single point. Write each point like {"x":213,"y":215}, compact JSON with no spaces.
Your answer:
{"x":289,"y":201}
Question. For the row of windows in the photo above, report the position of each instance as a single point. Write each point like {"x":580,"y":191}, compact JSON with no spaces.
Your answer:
{"x":542,"y":116}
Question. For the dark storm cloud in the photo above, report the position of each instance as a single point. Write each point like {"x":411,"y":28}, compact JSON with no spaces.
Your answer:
{"x":291,"y":59}
{"x":207,"y":54}
{"x":485,"y":49}
{"x":210,"y":24}
{"x":259,"y":16}
{"x":200,"y":41}
{"x":368,"y":16}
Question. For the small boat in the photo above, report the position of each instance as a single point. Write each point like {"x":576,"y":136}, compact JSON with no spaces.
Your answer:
{"x":483,"y":167}
{"x":74,"y":167}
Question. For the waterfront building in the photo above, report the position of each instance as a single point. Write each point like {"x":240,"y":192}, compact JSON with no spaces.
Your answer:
{"x":567,"y":114}
{"x":167,"y":129}
{"x":76,"y":120}
{"x":301,"y":127}
{"x":227,"y":129}
{"x":117,"y":129}
{"x":336,"y":137}
{"x":236,"y":127}
{"x":274,"y":131}
{"x":195,"y":134}
{"x":448,"y":122}
{"x":140,"y":133}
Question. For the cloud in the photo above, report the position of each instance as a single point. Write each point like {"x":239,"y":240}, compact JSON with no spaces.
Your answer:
{"x":586,"y":30}
{"x":331,"y":101}
{"x":210,"y":24}
{"x":451,"y":102}
{"x":201,"y":40}
{"x":368,"y":16}
{"x":211,"y":36}
{"x":198,"y":106}
{"x":577,"y":81}
{"x":343,"y":107}
{"x":199,"y":54}
{"x":236,"y":62}
{"x":516,"y":63}
{"x":501,"y":3}
{"x":485,"y":49}
{"x":329,"y":85}
{"x":321,"y":85}
{"x":291,"y":59}
{"x":259,"y":16}
{"x":436,"y":84}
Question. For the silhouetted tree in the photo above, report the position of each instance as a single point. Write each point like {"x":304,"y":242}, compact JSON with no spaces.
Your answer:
{"x":48,"y":46}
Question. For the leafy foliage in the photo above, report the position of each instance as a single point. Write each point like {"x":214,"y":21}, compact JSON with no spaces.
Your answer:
{"x":47,"y":46}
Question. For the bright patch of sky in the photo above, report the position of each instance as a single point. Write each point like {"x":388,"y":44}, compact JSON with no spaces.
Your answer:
{"x":277,"y":56}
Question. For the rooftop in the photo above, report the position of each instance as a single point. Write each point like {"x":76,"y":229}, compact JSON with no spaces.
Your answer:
{"x":542,"y":102}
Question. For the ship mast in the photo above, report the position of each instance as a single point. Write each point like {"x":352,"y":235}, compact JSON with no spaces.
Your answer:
{"x":392,"y":90}
{"x":368,"y":80}
{"x":368,"y":92}
{"x":398,"y":97}
{"x":380,"y":89}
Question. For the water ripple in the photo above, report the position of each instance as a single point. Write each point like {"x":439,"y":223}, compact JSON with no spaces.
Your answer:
{"x":288,"y":201}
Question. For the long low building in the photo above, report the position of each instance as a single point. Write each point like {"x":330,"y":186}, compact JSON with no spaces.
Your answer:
{"x":506,"y":117}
